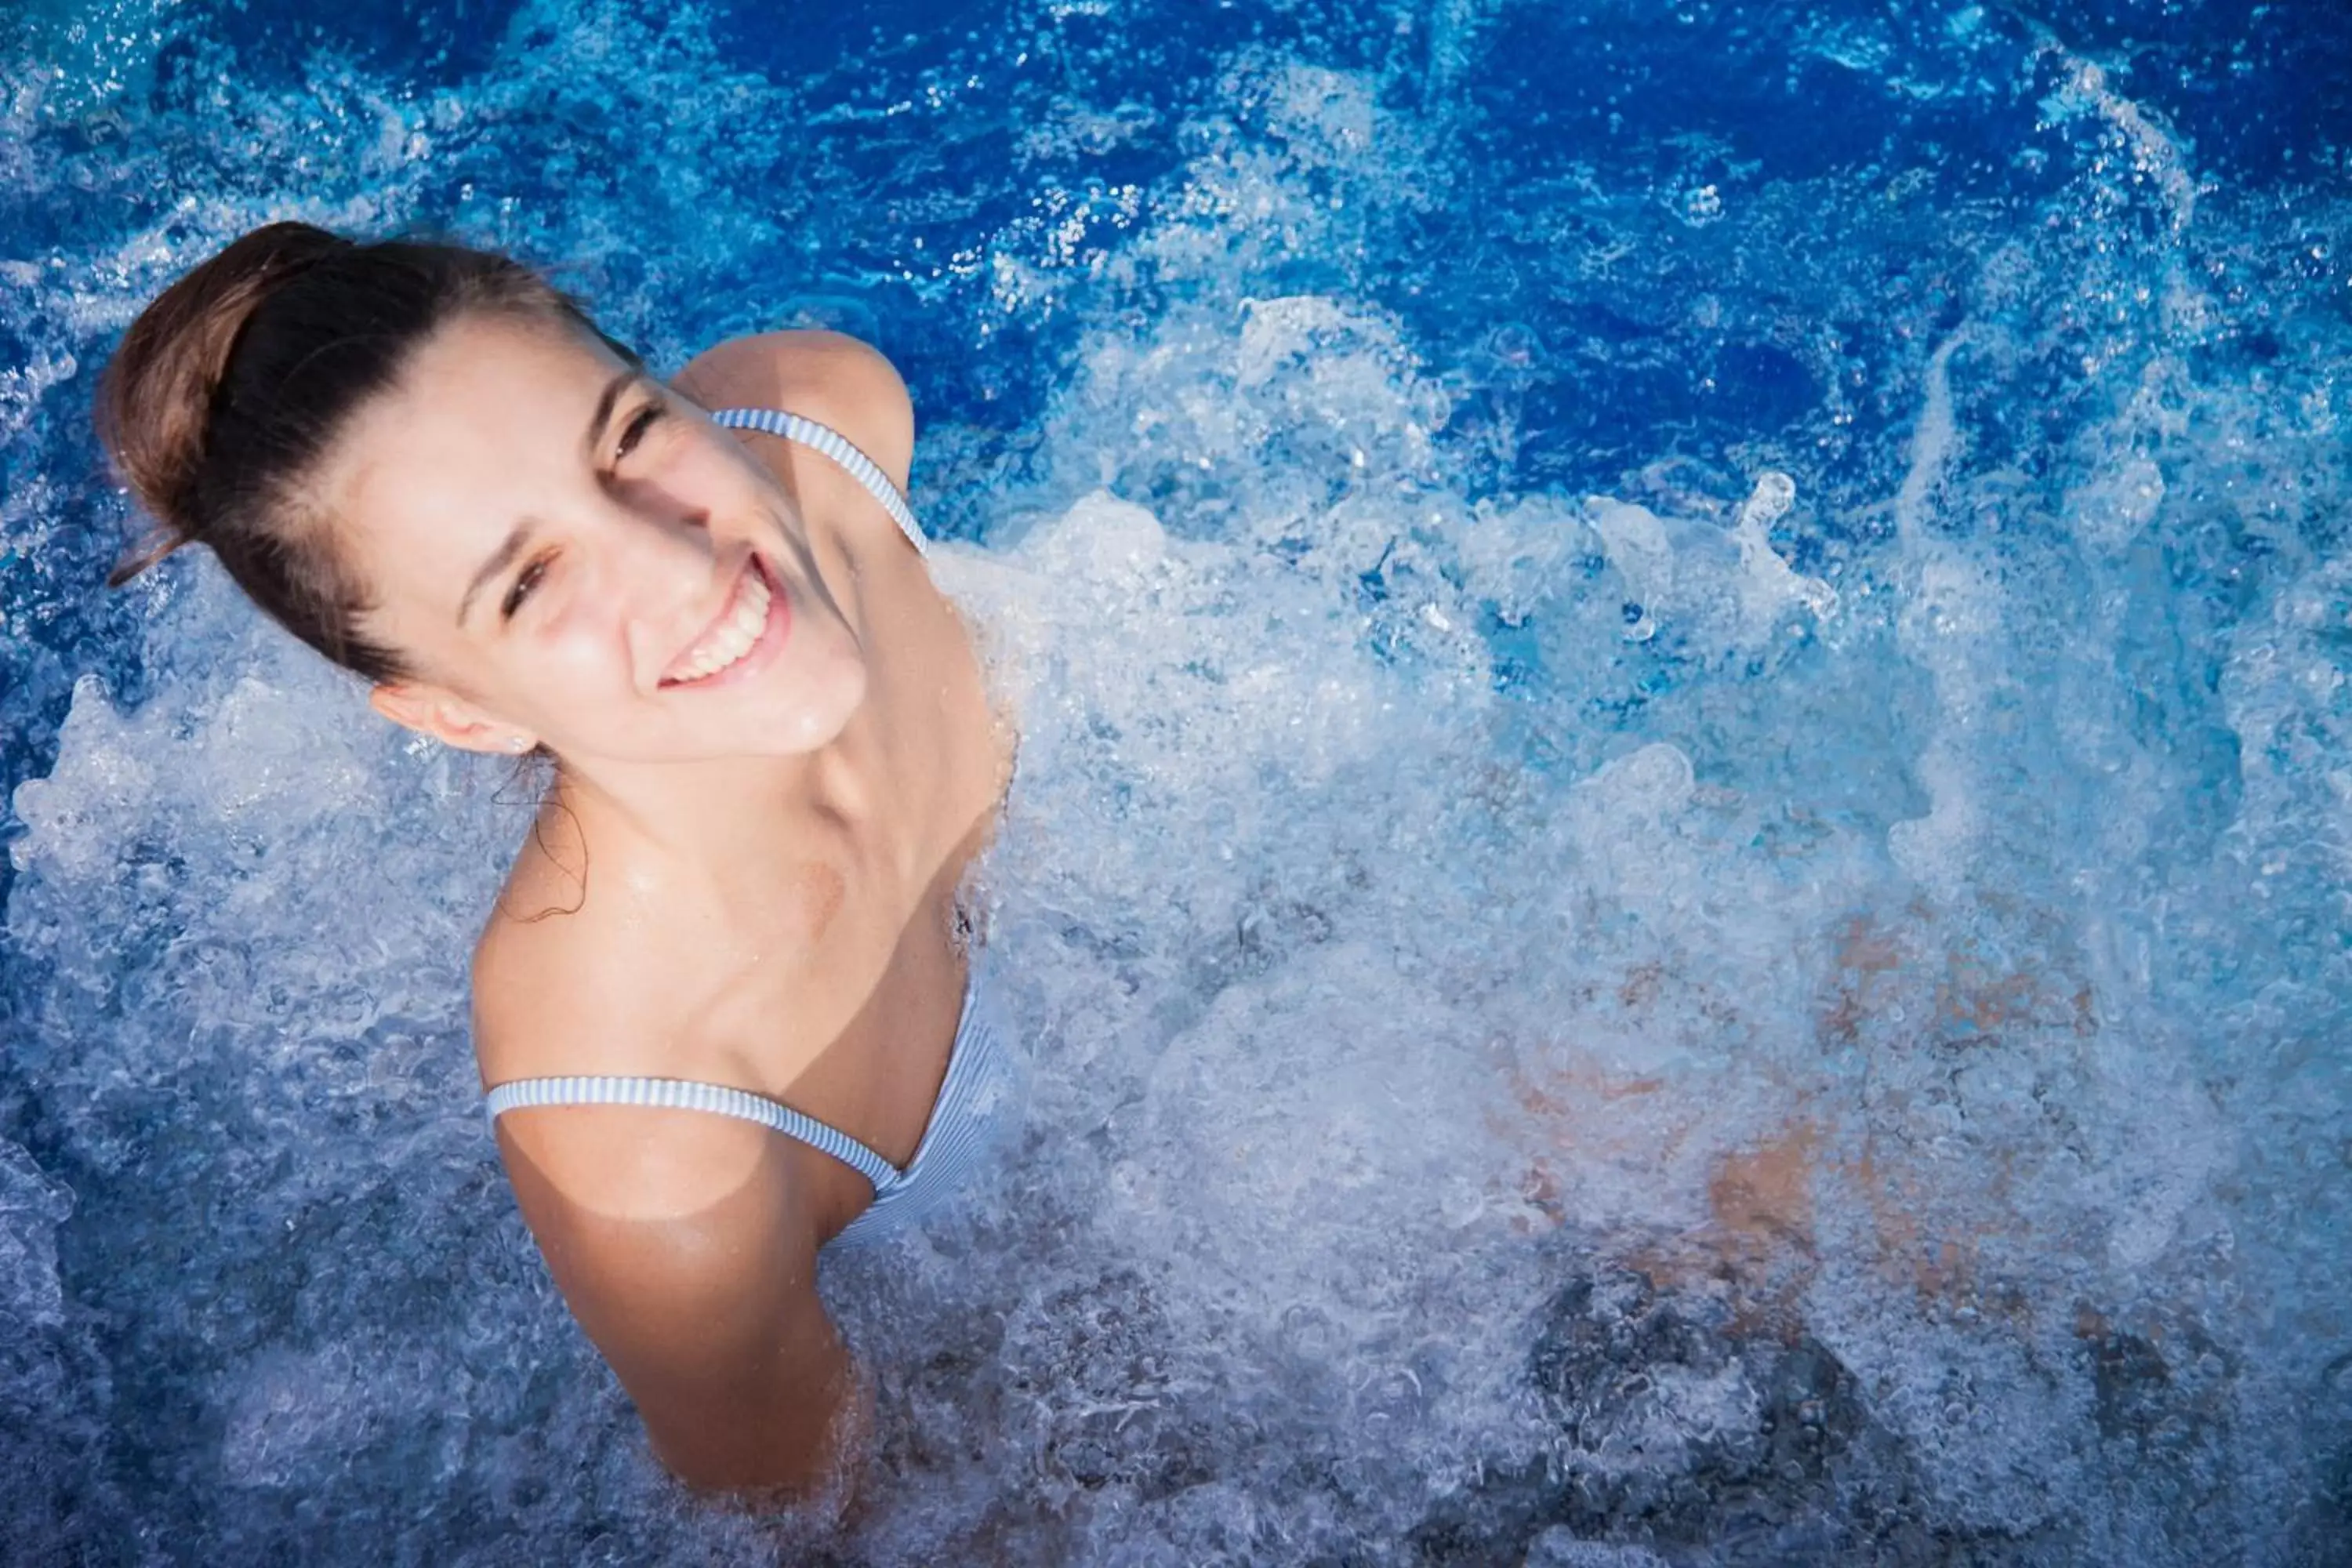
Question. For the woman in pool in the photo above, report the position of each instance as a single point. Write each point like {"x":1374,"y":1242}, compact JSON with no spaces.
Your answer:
{"x":721,"y":1007}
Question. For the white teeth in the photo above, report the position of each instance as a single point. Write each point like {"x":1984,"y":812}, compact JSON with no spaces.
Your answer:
{"x":734,"y":637}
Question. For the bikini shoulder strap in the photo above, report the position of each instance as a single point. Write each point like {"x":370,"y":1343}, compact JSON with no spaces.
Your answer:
{"x":824,"y":439}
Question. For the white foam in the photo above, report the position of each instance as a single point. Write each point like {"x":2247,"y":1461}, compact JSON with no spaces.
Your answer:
{"x":1732,"y":592}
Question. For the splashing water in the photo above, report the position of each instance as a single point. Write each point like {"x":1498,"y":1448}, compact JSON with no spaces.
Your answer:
{"x":1676,"y":890}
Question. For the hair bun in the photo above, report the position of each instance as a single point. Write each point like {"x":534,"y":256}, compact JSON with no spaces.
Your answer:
{"x":156,"y":400}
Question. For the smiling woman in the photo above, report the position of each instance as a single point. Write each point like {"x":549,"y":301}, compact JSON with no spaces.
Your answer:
{"x":753,"y":1028}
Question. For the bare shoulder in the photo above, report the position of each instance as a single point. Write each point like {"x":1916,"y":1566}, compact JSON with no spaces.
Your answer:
{"x":568,"y":995}
{"x":591,"y":967}
{"x":826,"y":377}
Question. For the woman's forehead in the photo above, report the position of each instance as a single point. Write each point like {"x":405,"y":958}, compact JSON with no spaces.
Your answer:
{"x":485,"y":401}
{"x":507,"y":364}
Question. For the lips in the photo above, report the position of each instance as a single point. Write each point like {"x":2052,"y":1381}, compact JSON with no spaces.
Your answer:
{"x":746,"y":629}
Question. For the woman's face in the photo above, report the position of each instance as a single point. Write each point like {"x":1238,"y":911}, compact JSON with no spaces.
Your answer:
{"x":566,"y":552}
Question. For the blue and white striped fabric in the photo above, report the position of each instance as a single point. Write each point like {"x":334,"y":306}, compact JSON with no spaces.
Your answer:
{"x":964,"y":1118}
{"x":824,"y":439}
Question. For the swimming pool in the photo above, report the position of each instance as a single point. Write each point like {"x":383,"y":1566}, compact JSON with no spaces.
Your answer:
{"x":1677,"y":887}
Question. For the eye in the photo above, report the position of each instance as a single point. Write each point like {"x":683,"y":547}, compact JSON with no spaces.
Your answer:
{"x":635,"y":431}
{"x":525,"y":581}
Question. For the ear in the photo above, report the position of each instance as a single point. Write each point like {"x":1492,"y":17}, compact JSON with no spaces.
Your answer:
{"x":440,"y":713}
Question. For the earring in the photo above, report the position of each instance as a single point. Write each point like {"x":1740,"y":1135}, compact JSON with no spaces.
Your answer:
{"x":517,"y":744}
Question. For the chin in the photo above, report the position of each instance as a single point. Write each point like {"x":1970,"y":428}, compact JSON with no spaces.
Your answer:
{"x":822,"y":705}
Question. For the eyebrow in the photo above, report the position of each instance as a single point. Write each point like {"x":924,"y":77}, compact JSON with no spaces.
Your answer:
{"x":605,"y":402}
{"x":519,"y":534}
{"x":501,"y":559}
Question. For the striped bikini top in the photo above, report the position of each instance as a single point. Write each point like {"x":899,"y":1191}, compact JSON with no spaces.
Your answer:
{"x":973,"y":1097}
{"x":965,"y":1119}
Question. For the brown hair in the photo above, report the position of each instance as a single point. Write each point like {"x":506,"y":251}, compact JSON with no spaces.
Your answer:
{"x":230,"y":388}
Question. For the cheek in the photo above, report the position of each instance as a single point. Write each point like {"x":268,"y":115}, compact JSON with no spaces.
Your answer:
{"x":724,"y":475}
{"x":579,"y":651}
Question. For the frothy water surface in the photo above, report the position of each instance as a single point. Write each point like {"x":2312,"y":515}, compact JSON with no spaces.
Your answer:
{"x":1675,"y":892}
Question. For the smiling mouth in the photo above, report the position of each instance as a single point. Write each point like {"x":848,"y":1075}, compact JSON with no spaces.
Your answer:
{"x":754,"y":610}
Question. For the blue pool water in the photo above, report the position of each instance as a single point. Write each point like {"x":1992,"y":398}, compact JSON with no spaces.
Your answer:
{"x":1678,"y":887}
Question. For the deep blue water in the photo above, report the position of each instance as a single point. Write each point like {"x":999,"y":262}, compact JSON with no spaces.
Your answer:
{"x":1582,"y":1007}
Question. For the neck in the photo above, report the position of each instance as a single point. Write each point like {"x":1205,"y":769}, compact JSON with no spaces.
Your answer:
{"x":723,"y":824}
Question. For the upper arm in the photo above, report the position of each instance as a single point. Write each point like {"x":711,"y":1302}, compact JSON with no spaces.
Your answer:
{"x":681,"y":1240}
{"x":679,"y":1245}
{"x":825,"y":377}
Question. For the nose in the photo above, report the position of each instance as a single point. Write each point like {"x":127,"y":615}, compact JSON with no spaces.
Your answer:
{"x":658,"y":555}
{"x":649,"y":503}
